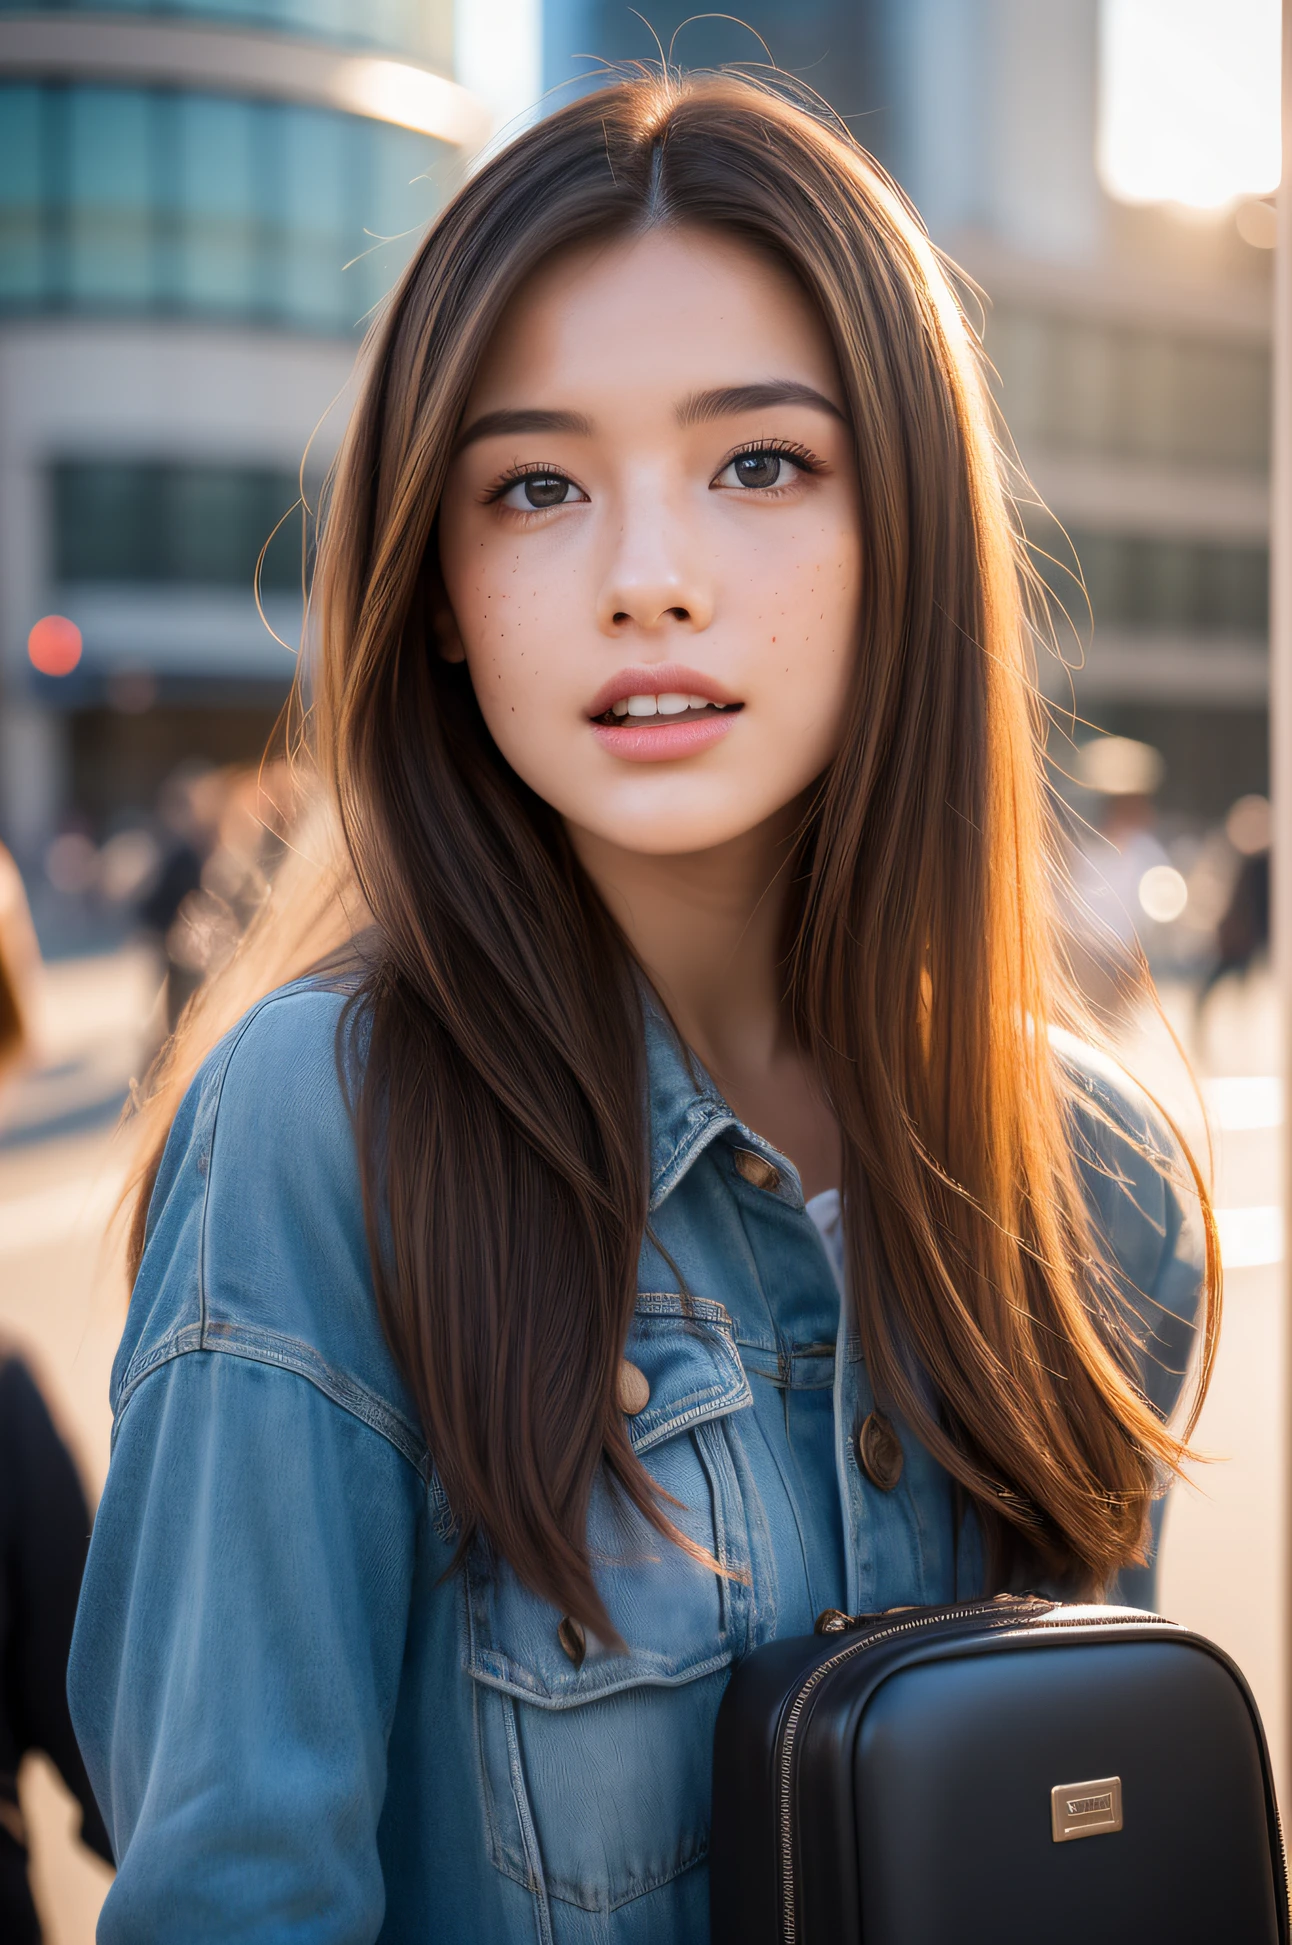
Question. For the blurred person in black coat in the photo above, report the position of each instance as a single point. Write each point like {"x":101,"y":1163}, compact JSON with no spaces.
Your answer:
{"x":1243,"y":934}
{"x":44,"y":1533}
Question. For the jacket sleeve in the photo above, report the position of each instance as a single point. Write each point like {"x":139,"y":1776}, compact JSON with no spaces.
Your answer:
{"x":238,"y":1654}
{"x":242,"y":1620}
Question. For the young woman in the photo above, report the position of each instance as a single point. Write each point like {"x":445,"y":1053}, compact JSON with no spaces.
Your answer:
{"x":488,"y":1388}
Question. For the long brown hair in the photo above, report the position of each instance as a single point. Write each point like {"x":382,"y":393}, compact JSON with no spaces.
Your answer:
{"x":500,"y":1114}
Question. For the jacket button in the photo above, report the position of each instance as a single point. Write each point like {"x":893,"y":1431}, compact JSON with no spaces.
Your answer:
{"x":634,"y":1389}
{"x":879,"y":1452}
{"x":574,"y":1641}
{"x":757,"y":1170}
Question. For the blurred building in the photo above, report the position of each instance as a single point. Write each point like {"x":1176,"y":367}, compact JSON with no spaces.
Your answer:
{"x":1132,"y":343}
{"x":200,"y":203}
{"x":1133,"y":348}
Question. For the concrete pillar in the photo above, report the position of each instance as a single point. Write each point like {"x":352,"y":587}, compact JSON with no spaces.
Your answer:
{"x":34,"y":775}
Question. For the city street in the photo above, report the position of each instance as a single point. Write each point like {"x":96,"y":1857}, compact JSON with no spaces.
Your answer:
{"x":62,"y":1300}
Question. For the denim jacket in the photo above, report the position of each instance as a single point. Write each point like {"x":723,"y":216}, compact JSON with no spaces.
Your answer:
{"x":299,"y":1724}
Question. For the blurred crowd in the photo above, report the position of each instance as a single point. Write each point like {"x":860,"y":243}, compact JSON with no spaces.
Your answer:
{"x":1192,"y":899}
{"x":1194,"y":902}
{"x":190,"y":877}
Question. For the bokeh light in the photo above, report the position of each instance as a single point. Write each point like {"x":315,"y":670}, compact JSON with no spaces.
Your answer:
{"x":1250,"y":1238}
{"x":415,"y":99}
{"x":1163,"y":893}
{"x":1189,"y":100}
{"x":1258,"y":224}
{"x":1245,"y":1100}
{"x":1250,"y":826}
{"x":71,"y":863}
{"x":54,"y":645}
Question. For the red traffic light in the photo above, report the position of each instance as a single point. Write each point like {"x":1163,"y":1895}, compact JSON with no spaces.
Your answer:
{"x":54,"y":645}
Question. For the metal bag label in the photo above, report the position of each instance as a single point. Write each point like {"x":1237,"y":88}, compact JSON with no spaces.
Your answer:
{"x":1086,"y":1809}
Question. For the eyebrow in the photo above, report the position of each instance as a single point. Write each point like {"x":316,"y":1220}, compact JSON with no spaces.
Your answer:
{"x":524,"y":419}
{"x":728,"y":399}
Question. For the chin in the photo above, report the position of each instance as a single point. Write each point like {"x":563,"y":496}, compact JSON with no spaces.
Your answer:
{"x":673,"y":834}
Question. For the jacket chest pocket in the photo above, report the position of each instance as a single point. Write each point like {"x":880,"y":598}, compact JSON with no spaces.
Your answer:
{"x":596,"y":1772}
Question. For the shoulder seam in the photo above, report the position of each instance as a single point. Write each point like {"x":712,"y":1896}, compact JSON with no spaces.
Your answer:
{"x":285,"y":1353}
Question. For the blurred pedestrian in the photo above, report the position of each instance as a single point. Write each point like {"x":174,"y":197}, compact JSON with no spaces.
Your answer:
{"x":228,"y":827}
{"x":1243,"y":933}
{"x":188,"y":809}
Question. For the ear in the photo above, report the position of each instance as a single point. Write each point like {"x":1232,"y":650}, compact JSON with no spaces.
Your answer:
{"x":448,"y":639}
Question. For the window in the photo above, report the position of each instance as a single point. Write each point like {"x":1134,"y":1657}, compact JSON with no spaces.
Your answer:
{"x":150,"y":522}
{"x":144,"y":200}
{"x":218,"y":248}
{"x":1081,"y":385}
{"x":110,"y":150}
{"x":1164,"y":586}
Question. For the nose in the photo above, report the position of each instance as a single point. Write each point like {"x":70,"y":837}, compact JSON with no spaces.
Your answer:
{"x":654,"y":579}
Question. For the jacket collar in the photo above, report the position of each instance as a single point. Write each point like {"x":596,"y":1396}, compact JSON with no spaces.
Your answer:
{"x":687,"y":1112}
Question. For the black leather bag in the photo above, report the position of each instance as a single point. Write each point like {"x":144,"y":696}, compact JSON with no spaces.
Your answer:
{"x":1002,"y":1770}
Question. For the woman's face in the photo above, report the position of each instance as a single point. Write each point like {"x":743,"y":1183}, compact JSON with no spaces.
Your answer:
{"x":649,"y":539}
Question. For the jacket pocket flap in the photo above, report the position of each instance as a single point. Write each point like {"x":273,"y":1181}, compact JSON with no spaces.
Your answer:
{"x":680,"y":1618}
{"x":685,"y":1349}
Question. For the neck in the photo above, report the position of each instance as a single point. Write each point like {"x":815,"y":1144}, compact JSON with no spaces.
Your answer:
{"x":707,"y":928}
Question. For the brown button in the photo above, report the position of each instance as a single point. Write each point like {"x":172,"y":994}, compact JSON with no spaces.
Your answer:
{"x":634,"y":1389}
{"x":757,"y":1170}
{"x":574,"y":1641}
{"x":879,"y":1452}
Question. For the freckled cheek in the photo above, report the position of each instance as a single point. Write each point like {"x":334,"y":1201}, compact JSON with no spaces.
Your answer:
{"x":518,"y":649}
{"x":508,"y":599}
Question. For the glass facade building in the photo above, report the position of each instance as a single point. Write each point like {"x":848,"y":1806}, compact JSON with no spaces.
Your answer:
{"x":199,"y":214}
{"x":118,"y":200}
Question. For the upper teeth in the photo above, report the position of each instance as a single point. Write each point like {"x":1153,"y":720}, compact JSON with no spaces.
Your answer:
{"x":671,"y":704}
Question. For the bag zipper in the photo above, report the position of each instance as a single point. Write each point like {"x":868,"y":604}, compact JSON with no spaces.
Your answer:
{"x":796,"y":1708}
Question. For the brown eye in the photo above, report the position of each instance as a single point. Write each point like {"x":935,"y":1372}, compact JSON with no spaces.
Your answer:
{"x":540,"y":489}
{"x":764,"y":467}
{"x":546,"y":489}
{"x":758,"y":468}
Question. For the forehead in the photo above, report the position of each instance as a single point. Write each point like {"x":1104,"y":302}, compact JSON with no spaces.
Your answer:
{"x":670,"y":311}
